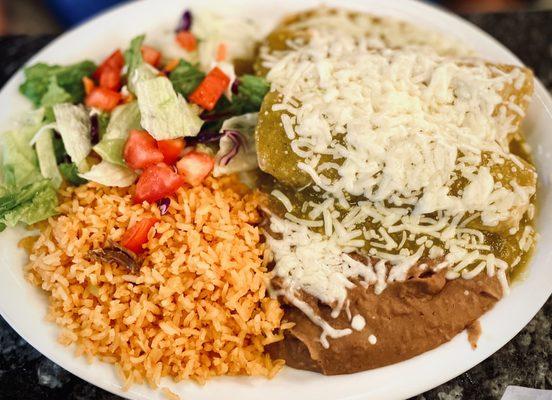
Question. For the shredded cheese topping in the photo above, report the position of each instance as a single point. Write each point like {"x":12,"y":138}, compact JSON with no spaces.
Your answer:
{"x":403,"y":138}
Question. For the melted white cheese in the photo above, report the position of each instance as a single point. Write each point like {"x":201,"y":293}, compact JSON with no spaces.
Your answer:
{"x":400,"y":128}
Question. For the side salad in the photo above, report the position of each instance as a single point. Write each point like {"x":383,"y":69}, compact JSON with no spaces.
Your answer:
{"x":147,"y":116}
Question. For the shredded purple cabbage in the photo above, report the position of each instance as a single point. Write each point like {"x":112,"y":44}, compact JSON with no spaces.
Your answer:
{"x":213,"y":137}
{"x":204,"y":137}
{"x":185,"y":22}
{"x":209,"y":116}
{"x":237,"y":142}
{"x":94,"y":129}
{"x":163,"y":205}
{"x":235,"y":86}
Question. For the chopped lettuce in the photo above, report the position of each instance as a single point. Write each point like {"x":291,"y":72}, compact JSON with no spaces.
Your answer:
{"x":19,"y":161}
{"x":111,"y":150}
{"x":55,"y":94}
{"x":110,"y":174}
{"x":25,"y":195}
{"x":70,"y":173}
{"x":237,"y":154}
{"x":47,"y":158}
{"x":123,"y":119}
{"x":186,"y":77}
{"x":141,"y":73}
{"x":73,"y":124}
{"x":59,"y":149}
{"x":100,"y":120}
{"x":134,"y":60}
{"x":29,"y":204}
{"x":45,"y":83}
{"x":251,"y":91}
{"x":164,"y":113}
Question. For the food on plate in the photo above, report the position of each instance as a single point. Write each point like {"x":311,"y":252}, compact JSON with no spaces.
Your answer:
{"x":182,"y":296}
{"x":345,"y":193}
{"x":402,"y":191}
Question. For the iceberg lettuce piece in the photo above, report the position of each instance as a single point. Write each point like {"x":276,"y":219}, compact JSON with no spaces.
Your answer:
{"x":47,"y":158}
{"x":164,"y":113}
{"x":73,"y":124}
{"x":123,"y":119}
{"x":109,"y":174}
{"x":143,"y":72}
{"x":111,"y":150}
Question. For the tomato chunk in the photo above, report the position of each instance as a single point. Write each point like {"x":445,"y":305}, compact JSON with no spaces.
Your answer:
{"x":195,"y":167}
{"x":141,"y":150}
{"x":210,"y":89}
{"x":186,"y":40}
{"x":115,"y":61}
{"x":171,"y":149}
{"x":88,"y":84}
{"x":136,"y":236}
{"x":156,"y":182}
{"x":103,"y":98}
{"x":110,"y":78}
{"x":150,"y":55}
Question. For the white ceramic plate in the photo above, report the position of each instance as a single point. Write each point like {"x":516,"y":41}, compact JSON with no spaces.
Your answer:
{"x":24,"y":307}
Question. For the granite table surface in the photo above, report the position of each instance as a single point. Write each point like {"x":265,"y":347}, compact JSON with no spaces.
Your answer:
{"x":525,"y":361}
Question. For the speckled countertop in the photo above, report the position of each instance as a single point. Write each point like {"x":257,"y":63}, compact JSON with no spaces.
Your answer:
{"x":526,"y":361}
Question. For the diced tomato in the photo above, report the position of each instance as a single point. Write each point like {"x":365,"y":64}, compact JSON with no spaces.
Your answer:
{"x":110,"y":78}
{"x":88,"y":84}
{"x":171,"y":65}
{"x":186,"y":40}
{"x":171,"y":149}
{"x":222,"y":52}
{"x":210,"y":89}
{"x":115,"y":61}
{"x":141,"y":150}
{"x":151,"y":55}
{"x":103,"y":98}
{"x":156,"y":182}
{"x":136,"y":236}
{"x":195,"y":167}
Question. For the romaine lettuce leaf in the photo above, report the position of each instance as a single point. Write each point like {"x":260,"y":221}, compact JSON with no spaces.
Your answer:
{"x":70,"y":173}
{"x":185,"y":78}
{"x":245,"y":159}
{"x":30,"y":204}
{"x":110,"y":174}
{"x":39,"y":78}
{"x":73,"y":124}
{"x":251,"y":91}
{"x":47,"y":158}
{"x":25,"y":195}
{"x":164,"y":113}
{"x":55,"y":94}
{"x":19,"y":161}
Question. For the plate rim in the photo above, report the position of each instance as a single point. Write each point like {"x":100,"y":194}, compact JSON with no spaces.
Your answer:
{"x":541,"y":94}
